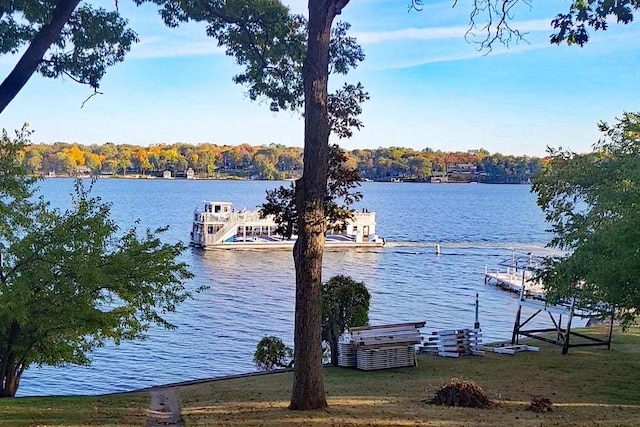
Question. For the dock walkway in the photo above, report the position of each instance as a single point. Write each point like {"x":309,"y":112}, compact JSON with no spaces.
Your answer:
{"x":513,"y":279}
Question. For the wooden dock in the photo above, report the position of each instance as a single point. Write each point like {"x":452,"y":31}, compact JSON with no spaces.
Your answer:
{"x":513,"y":280}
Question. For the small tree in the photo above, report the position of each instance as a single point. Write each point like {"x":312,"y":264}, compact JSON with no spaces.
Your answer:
{"x":272,"y":353}
{"x":339,"y":197}
{"x":345,"y":303}
{"x":69,"y":281}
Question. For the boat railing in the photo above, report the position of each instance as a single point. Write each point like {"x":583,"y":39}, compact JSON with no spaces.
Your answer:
{"x":209,"y":217}
{"x":217,"y":237}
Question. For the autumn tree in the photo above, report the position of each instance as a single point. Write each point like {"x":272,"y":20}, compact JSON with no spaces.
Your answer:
{"x":70,"y":281}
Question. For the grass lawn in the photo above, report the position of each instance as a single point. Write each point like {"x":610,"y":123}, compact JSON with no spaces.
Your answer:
{"x":590,"y":386}
{"x":118,"y":409}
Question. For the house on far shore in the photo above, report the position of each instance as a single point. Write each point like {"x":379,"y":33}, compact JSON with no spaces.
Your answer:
{"x":167,"y":175}
{"x":190,"y":173}
{"x":51,"y":174}
{"x":462,"y":168}
{"x":439,"y":177}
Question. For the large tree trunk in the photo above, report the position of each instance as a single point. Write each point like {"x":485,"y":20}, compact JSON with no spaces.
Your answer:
{"x":9,"y":372}
{"x":308,"y":384}
{"x":31,"y":58}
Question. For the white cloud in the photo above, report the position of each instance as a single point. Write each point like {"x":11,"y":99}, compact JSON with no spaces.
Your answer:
{"x":163,"y":47}
{"x":461,"y":56}
{"x":438,"y":33}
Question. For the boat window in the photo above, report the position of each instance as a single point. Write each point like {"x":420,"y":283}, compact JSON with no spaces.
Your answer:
{"x":210,"y":229}
{"x":217,"y":209}
{"x":355,"y":228}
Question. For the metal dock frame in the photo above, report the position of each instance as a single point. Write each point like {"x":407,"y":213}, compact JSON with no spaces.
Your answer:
{"x":563,"y":335}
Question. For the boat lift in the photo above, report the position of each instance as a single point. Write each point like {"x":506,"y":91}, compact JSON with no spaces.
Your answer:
{"x":567,"y":310}
{"x":520,"y":277}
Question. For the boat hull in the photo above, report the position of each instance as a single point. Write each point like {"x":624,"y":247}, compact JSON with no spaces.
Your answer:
{"x":285,"y":245}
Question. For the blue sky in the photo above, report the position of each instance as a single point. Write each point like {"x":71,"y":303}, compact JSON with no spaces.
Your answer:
{"x":429,"y":87}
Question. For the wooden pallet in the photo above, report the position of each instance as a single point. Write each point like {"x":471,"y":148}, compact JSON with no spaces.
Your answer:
{"x":511,"y":349}
{"x":454,"y":343}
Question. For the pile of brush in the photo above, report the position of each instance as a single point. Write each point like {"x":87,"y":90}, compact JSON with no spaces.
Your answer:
{"x":540,"y":404}
{"x":466,"y":394}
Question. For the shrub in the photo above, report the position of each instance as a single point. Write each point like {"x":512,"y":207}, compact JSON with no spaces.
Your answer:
{"x":271,"y":353}
{"x":466,"y":394}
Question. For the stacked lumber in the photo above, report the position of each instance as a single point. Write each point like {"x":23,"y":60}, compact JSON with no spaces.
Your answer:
{"x":381,"y":347}
{"x":387,"y":335}
{"x":454,"y":343}
{"x":347,"y":356}
{"x":385,"y":357}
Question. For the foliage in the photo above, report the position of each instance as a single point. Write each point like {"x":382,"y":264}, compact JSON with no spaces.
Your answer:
{"x":70,"y":280}
{"x":572,"y":26}
{"x":269,"y":43}
{"x":490,"y":20}
{"x":339,"y":197}
{"x":273,"y":161}
{"x":345,"y":303}
{"x":92,"y":41}
{"x":462,"y":393}
{"x":281,"y":203}
{"x":272,"y":353}
{"x":591,"y":201}
{"x":89,"y":41}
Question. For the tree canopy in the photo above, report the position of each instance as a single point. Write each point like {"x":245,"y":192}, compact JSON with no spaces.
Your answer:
{"x":72,"y":280}
{"x":273,"y":161}
{"x":339,"y":197}
{"x":591,"y":200}
{"x":345,"y":303}
{"x":61,"y":38}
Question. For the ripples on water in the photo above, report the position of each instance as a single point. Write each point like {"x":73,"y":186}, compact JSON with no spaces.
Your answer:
{"x":251,"y":293}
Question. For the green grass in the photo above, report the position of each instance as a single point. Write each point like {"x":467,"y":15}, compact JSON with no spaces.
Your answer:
{"x":118,"y":409}
{"x":590,"y":386}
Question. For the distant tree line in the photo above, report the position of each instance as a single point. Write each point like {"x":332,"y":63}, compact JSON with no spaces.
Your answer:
{"x":274,"y":161}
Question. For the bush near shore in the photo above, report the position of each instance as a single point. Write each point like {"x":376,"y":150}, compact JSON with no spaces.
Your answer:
{"x":590,"y":386}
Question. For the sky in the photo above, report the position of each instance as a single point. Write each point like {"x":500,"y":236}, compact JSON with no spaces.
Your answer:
{"x":429,"y":86}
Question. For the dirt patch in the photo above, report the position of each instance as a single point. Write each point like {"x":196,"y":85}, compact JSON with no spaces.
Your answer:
{"x":164,"y":410}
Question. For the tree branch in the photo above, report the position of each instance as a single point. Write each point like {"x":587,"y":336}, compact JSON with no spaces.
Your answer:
{"x":31,"y":58}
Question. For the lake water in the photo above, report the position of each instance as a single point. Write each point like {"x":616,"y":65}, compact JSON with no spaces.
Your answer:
{"x":251,"y":293}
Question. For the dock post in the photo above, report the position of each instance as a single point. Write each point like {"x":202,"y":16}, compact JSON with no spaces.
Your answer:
{"x":565,"y":347}
{"x":476,"y":325}
{"x":516,"y":326}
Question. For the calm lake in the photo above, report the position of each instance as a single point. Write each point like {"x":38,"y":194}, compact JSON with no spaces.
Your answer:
{"x":251,"y":293}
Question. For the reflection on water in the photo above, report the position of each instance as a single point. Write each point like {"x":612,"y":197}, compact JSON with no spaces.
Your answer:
{"x":251,"y":293}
